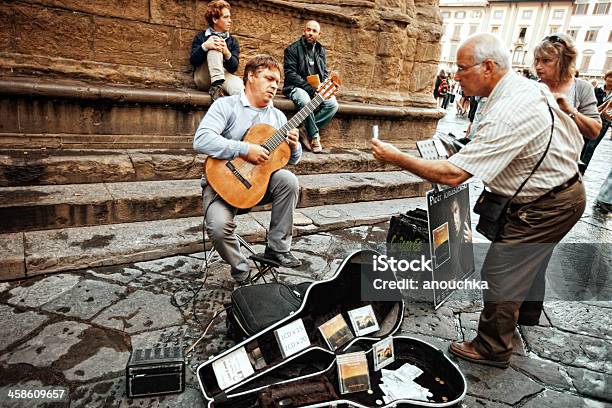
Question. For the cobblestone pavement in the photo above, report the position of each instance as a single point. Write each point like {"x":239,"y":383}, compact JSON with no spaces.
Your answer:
{"x":77,"y":329}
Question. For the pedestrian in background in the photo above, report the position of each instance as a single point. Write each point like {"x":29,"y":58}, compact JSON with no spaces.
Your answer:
{"x":447,"y":88}
{"x":604,"y":198}
{"x":476,"y":116}
{"x":605,"y":110}
{"x":463,"y":105}
{"x":440,"y":87}
{"x":527,"y":74}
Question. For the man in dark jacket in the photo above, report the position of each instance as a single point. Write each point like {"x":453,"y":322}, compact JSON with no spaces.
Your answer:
{"x":215,"y":53}
{"x":304,"y":58}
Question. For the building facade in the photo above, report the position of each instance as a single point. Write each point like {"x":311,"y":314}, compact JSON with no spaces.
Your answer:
{"x":522,"y":24}
{"x":591,"y":28}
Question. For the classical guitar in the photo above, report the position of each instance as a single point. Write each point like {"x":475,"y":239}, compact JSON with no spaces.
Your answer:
{"x":243,"y":184}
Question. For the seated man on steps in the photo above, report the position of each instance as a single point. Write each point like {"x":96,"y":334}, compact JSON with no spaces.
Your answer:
{"x":219,"y":135}
{"x":303,"y":59}
{"x":215,"y":53}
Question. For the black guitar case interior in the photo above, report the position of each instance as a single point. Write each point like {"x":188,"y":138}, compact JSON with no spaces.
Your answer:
{"x":309,"y":377}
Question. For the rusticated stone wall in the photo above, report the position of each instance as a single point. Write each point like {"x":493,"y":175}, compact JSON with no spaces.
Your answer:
{"x":385,"y":50}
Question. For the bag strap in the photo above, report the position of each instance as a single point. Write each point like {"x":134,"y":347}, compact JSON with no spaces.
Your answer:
{"x":552,"y":128}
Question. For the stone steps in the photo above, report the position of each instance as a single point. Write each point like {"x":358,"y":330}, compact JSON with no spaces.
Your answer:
{"x":28,"y":208}
{"x":27,"y":254}
{"x":79,"y":114}
{"x":51,"y":166}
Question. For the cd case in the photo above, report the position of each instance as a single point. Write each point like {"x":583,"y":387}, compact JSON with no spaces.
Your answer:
{"x":353,"y":373}
{"x":336,"y":332}
{"x":383,"y":353}
{"x":363,"y":320}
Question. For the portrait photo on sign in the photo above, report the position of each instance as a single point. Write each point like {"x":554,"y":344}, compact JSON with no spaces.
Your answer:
{"x":450,"y":226}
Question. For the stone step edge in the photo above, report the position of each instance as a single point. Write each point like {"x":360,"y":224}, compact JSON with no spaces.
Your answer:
{"x":29,"y":167}
{"x":70,"y":206}
{"x":28,"y":254}
{"x":59,"y":88}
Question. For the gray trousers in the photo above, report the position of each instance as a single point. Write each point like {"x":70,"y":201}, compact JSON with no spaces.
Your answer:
{"x":283,"y":193}
{"x":212,"y":70}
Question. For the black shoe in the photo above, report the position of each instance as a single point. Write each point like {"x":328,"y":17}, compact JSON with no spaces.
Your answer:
{"x":286,"y":259}
{"x":216,"y":92}
{"x":603,"y":207}
{"x":527,"y":322}
{"x":241,"y":283}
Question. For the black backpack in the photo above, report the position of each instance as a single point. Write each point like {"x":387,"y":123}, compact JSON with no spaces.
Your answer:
{"x":255,"y":307}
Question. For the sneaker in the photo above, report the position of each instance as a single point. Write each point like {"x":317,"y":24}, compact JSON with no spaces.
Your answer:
{"x":216,"y":92}
{"x":286,"y":259}
{"x":305,"y":141}
{"x":316,"y":144}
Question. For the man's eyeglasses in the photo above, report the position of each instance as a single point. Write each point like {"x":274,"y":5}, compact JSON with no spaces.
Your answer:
{"x":555,"y":39}
{"x":464,"y":69}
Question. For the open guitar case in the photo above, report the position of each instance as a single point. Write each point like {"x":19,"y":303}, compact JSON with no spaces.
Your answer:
{"x":309,"y":378}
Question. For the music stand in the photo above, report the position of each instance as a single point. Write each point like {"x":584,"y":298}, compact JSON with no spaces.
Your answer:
{"x":432,"y":149}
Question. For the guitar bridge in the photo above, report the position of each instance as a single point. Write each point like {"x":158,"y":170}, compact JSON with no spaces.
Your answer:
{"x":236,"y":173}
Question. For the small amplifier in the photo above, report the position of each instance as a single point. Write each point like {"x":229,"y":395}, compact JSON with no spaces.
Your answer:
{"x":155,"y":371}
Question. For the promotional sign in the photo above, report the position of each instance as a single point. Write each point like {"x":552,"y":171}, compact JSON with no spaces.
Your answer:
{"x":450,"y":239}
{"x":232,"y":368}
{"x":292,"y":338}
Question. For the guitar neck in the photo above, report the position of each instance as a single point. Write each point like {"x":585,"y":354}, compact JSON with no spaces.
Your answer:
{"x":279,"y":137}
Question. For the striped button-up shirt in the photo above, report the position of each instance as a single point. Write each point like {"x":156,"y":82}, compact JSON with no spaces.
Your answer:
{"x":512,"y":136}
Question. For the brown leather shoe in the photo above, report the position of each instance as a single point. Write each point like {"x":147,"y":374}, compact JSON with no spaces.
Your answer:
{"x":467,"y":351}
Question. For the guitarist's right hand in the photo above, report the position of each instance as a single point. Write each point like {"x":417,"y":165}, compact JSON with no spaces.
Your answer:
{"x":257,"y":154}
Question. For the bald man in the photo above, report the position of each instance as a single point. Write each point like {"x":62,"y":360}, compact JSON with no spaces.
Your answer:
{"x":512,"y":136}
{"x":304,"y":58}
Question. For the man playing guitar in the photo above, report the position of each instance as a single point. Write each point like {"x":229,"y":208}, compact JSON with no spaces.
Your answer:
{"x":220,"y":135}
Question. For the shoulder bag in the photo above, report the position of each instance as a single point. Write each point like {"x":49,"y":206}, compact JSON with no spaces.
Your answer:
{"x":492,"y":207}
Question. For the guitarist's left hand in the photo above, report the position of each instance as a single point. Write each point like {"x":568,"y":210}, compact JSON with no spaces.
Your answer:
{"x":292,"y":139}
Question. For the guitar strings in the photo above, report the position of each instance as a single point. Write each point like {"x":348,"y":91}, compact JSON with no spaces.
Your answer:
{"x":273,"y":142}
{"x":279,"y":136}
